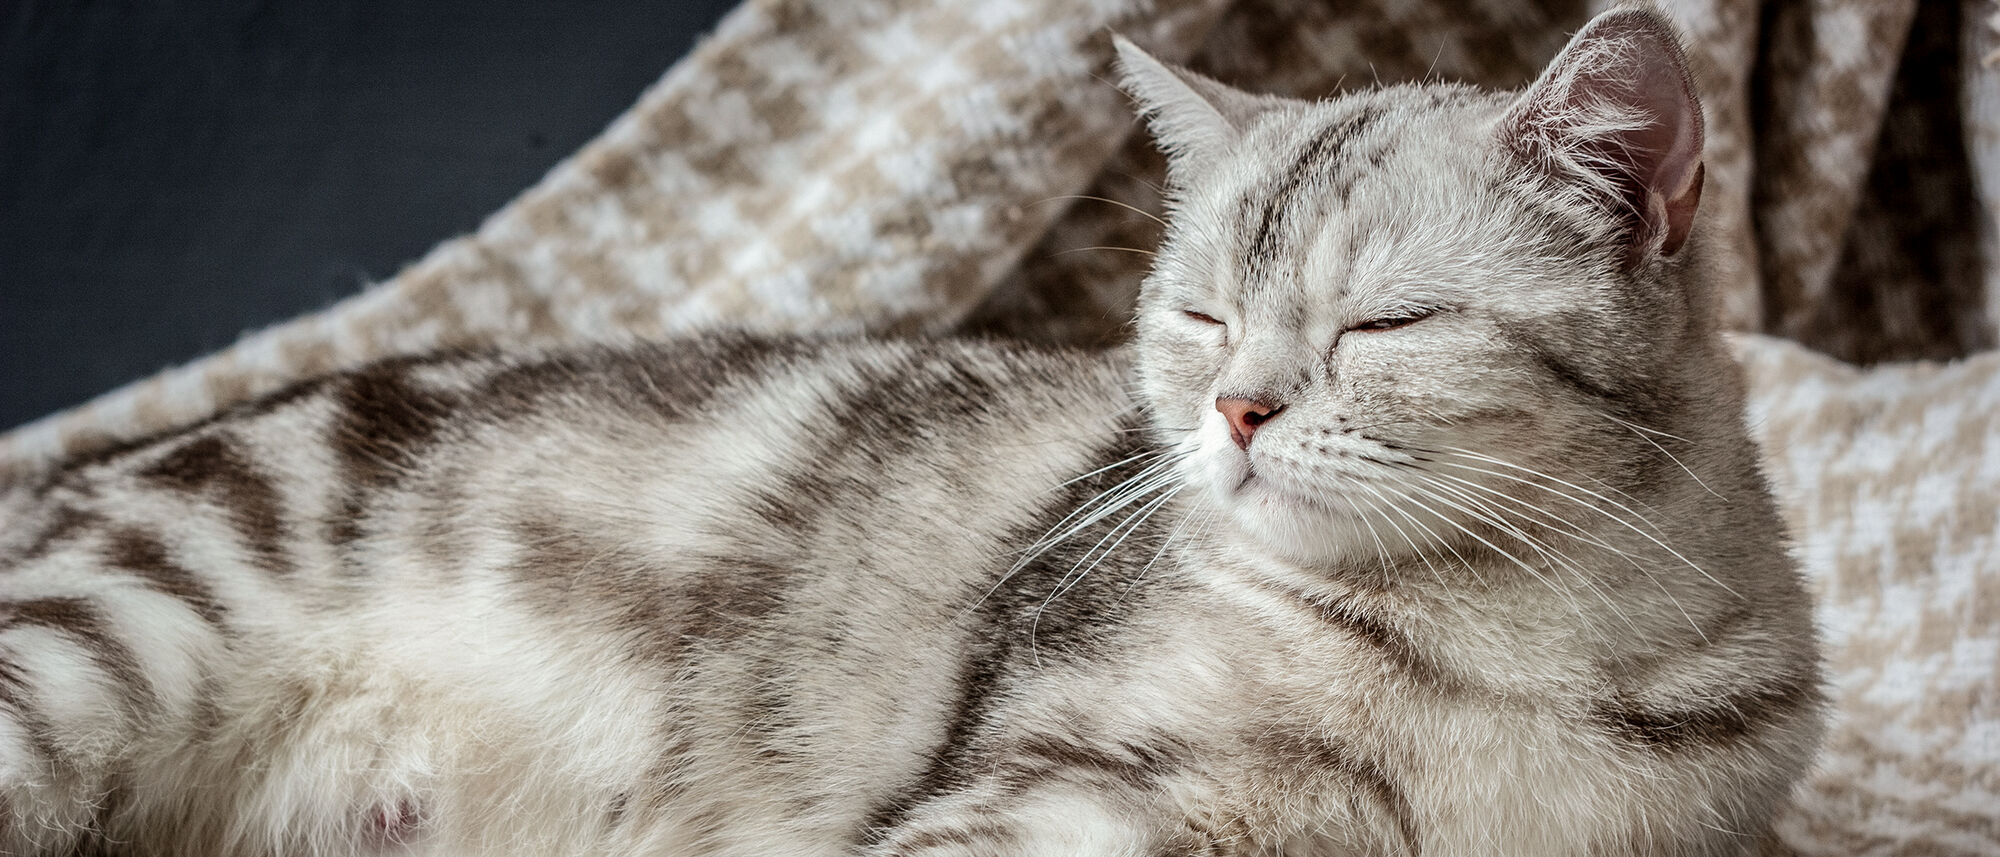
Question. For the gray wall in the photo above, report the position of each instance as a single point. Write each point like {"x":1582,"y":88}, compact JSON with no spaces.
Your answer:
{"x":174,"y":173}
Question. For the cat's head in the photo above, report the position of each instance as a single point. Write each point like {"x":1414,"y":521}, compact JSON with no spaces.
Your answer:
{"x":1395,"y":298}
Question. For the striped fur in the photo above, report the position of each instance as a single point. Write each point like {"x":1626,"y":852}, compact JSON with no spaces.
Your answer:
{"x":1503,"y":579}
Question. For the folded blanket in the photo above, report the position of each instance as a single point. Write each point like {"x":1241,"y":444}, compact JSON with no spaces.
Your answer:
{"x":929,"y":165}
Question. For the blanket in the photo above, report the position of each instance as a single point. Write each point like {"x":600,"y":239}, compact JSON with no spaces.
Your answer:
{"x":931,"y":166}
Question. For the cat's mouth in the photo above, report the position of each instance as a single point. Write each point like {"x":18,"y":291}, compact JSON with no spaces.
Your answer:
{"x":1264,"y":487}
{"x":1272,"y":488}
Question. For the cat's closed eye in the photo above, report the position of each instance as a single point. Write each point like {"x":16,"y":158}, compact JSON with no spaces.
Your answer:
{"x":1202,"y":317}
{"x":1391,"y":322}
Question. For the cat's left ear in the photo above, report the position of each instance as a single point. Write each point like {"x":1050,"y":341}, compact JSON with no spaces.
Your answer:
{"x":1616,"y":111}
{"x":1195,"y":119}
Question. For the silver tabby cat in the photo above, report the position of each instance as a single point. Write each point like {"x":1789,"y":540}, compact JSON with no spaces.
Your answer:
{"x":1420,"y":519}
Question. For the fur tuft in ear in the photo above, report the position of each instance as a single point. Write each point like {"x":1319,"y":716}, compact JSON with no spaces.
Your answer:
{"x":1195,"y":119}
{"x":1616,"y":116}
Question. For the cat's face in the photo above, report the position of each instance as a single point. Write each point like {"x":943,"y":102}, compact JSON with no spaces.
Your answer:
{"x":1369,"y":312}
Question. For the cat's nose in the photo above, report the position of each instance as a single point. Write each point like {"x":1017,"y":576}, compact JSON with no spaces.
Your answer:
{"x":1244,"y":416}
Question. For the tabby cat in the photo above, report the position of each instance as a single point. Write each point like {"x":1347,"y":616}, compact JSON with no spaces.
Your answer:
{"x":1419,"y":519}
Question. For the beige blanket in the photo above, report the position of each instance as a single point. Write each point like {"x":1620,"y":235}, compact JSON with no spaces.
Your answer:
{"x":926,"y":165}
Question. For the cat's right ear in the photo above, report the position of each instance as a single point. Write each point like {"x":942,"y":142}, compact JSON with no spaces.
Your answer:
{"x":1195,"y":119}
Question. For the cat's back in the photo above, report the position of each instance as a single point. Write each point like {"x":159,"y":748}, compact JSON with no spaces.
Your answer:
{"x":546,"y":468}
{"x":689,"y":436}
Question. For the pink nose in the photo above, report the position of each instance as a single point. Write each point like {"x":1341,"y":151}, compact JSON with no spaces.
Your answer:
{"x":1244,"y":416}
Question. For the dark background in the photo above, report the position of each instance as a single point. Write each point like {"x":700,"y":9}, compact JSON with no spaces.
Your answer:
{"x":174,"y":173}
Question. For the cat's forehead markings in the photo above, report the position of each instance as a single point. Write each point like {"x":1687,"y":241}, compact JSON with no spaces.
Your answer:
{"x":1269,"y":207}
{"x":1295,"y":219}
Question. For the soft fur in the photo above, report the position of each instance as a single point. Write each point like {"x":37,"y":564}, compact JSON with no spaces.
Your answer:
{"x":1494,"y":574}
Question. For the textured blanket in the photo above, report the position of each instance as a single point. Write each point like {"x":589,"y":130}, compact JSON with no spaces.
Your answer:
{"x":934,"y":166}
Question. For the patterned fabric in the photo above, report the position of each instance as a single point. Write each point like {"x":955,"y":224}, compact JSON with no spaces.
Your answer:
{"x":927,"y":165}
{"x":1890,"y":478}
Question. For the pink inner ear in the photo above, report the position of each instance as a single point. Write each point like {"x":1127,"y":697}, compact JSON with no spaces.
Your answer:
{"x":1618,"y":104}
{"x":1665,"y":156}
{"x":1680,"y":210}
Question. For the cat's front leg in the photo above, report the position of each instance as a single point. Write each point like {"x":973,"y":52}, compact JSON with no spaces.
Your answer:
{"x":999,"y":818}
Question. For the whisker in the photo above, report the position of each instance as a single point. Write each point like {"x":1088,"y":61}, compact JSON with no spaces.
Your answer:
{"x":1130,"y":525}
{"x":1124,"y":205}
{"x":1409,"y":449}
{"x":1567,"y":527}
{"x":1624,"y":554}
{"x":1153,"y":453}
{"x":1164,"y":545}
{"x":1160,"y":473}
{"x":1600,"y":510}
{"x":1485,"y":512}
{"x":1079,"y":571}
{"x":1382,"y":548}
{"x":1104,"y":247}
{"x":1523,"y":564}
{"x":1636,"y":429}
{"x":1404,"y":495}
{"x":1106,"y":502}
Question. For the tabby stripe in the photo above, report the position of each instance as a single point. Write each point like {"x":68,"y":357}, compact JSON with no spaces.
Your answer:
{"x":681,"y":381}
{"x":14,"y":696}
{"x":1724,"y":722}
{"x":567,"y":571}
{"x":143,"y":554}
{"x":1005,"y":619}
{"x":676,"y":381}
{"x":1133,"y":764}
{"x":82,"y":622}
{"x":879,"y":421}
{"x":1323,"y":753}
{"x":384,"y":422}
{"x":1323,"y":148}
{"x":212,"y":466}
{"x":934,"y":839}
{"x":382,"y":426}
{"x":979,"y":681}
{"x":882,"y":420}
{"x":969,"y":836}
{"x":728,"y":601}
{"x":1372,"y":778}
{"x":66,"y":524}
{"x":73,"y":466}
{"x":1635,"y":400}
{"x":1385,"y":638}
{"x":1345,"y":179}
{"x":1569,"y":374}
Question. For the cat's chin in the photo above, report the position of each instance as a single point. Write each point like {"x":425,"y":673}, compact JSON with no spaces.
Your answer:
{"x":1305,"y":526}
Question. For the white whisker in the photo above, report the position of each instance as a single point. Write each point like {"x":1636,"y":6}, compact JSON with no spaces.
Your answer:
{"x":1379,"y":503}
{"x":1124,"y":205}
{"x":1627,"y":524}
{"x":1078,"y":571}
{"x":1523,"y":564}
{"x":1462,"y":561}
{"x":1486,"y":512}
{"x":1641,"y":432}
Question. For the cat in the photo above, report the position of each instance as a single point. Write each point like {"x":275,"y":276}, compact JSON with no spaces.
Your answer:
{"x":1419,"y":518}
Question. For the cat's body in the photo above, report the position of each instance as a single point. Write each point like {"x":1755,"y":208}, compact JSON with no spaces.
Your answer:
{"x":1280,"y":580}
